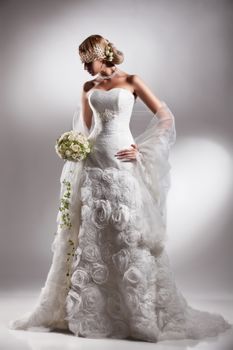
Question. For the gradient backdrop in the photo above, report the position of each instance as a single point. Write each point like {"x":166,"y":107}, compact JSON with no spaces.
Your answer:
{"x":183,"y":51}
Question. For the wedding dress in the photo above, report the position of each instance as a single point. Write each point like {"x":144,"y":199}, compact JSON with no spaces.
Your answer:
{"x":110,"y":275}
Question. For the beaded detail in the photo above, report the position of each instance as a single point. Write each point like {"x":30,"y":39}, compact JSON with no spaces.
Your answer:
{"x":98,"y":52}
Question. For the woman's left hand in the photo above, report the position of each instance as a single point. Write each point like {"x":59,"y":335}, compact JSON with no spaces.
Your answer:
{"x":128,"y":154}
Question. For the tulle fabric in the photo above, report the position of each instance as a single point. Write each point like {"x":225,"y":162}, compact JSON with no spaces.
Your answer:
{"x":153,"y":160}
{"x":175,"y":319}
{"x":49,"y":311}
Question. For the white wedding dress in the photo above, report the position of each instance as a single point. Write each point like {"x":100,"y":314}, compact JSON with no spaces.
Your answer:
{"x":110,"y":275}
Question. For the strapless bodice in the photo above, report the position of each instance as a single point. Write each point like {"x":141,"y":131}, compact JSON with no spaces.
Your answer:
{"x":112,"y":110}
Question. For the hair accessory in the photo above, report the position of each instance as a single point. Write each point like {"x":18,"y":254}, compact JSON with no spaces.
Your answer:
{"x":97,"y":53}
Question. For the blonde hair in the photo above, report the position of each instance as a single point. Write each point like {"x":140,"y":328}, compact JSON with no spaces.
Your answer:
{"x":87,"y":46}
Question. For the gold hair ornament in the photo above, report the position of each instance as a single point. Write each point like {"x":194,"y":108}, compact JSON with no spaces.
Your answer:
{"x":97,"y":53}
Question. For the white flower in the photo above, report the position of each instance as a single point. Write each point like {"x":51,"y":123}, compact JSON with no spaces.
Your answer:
{"x":120,"y":216}
{"x":73,"y":301}
{"x":99,"y":273}
{"x":147,"y":308}
{"x":106,"y":251}
{"x":77,"y":254}
{"x":132,"y":298}
{"x":94,"y":173}
{"x":112,"y":193}
{"x":97,"y":190}
{"x":86,"y":194}
{"x":67,"y":133}
{"x":163,"y":318}
{"x":81,"y":138}
{"x":67,"y":152}
{"x":75,"y":148}
{"x":95,"y":326}
{"x":80,"y":278}
{"x":121,"y":260}
{"x":110,"y":175}
{"x":87,"y":235}
{"x":84,"y":178}
{"x":85,"y":212}
{"x":137,"y":220}
{"x":127,"y":197}
{"x":101,"y":212}
{"x":114,"y":304}
{"x":75,"y":156}
{"x":92,"y":299}
{"x":148,"y":301}
{"x":91,"y":253}
{"x":134,"y":276}
{"x":129,"y":237}
{"x":163,"y":296}
{"x":145,"y":262}
{"x":120,"y":185}
{"x":71,"y":137}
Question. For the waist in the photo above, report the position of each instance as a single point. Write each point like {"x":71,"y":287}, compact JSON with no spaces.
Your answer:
{"x":114,"y":141}
{"x":115,"y":133}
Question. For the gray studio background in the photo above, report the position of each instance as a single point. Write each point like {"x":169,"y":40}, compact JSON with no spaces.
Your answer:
{"x":183,"y":51}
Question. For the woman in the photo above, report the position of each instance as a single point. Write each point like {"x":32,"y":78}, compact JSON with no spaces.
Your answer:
{"x":110,"y":275}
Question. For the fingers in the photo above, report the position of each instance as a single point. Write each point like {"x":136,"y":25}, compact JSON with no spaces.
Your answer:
{"x":127,"y":150}
{"x":124,"y":153}
{"x":128,"y":154}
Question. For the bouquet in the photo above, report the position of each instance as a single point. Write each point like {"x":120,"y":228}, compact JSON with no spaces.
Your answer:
{"x":73,"y":145}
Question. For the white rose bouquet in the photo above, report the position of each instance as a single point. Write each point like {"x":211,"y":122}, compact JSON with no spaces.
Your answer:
{"x":73,"y":145}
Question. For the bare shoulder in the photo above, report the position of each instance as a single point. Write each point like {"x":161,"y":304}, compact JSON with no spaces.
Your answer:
{"x":137,"y":81}
{"x":145,"y":93}
{"x":140,"y":86}
{"x":87,"y":86}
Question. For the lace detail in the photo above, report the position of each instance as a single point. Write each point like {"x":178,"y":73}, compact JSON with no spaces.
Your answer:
{"x":107,"y":115}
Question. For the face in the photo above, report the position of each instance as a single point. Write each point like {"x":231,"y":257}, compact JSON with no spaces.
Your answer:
{"x":93,"y":67}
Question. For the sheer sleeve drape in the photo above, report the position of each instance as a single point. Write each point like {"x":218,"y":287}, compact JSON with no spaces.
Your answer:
{"x":153,"y":160}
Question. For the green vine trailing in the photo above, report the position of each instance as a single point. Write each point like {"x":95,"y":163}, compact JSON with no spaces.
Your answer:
{"x":65,"y":206}
{"x":69,"y":260}
{"x":66,"y":222}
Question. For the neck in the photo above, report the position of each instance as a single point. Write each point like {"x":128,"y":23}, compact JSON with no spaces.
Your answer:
{"x":108,"y":71}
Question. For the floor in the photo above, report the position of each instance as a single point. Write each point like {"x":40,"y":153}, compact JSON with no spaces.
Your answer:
{"x":13,"y":304}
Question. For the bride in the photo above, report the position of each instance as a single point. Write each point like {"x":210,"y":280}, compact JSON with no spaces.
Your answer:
{"x":110,"y":276}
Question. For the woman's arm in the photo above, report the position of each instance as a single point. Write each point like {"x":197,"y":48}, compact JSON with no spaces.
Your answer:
{"x":160,"y":131}
{"x":145,"y":94}
{"x":152,"y":102}
{"x":86,"y":110}
{"x":160,"y":111}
